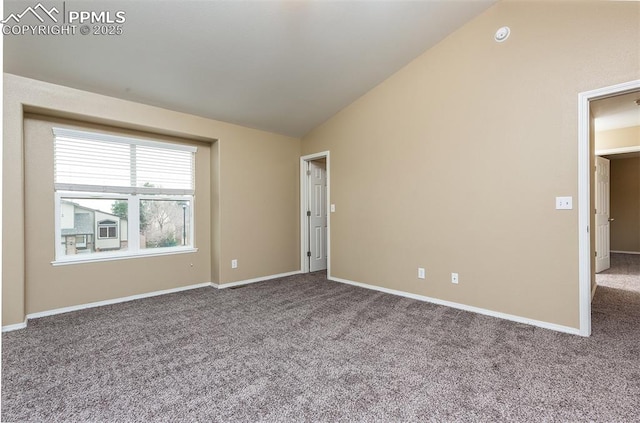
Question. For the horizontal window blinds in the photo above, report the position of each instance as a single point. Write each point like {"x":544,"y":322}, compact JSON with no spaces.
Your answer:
{"x":86,"y":161}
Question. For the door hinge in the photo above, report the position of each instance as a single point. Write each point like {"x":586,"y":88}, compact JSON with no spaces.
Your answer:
{"x":309,"y":213}
{"x":308,"y":173}
{"x":308,"y":253}
{"x":596,"y":253}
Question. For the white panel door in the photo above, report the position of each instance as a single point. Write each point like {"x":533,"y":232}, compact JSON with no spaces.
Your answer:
{"x":317,"y":216}
{"x":603,"y":228}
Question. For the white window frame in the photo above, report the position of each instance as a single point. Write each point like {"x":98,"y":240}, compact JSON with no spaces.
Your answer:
{"x":133,"y":247}
{"x":132,"y":195}
{"x":113,"y":225}
{"x":83,"y":244}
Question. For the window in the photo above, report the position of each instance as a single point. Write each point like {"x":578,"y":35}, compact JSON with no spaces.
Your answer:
{"x":107,"y":229}
{"x":81,"y":241}
{"x":164,"y":223}
{"x":110,"y":189}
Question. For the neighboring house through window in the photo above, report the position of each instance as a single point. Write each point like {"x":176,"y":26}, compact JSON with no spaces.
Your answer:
{"x":85,"y":229}
{"x":113,"y":189}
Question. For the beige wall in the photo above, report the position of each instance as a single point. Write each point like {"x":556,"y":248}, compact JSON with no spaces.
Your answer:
{"x":49,"y":287}
{"x":453,"y":163}
{"x":261,"y":182}
{"x":625,"y":204}
{"x":618,"y":138}
{"x":248,"y":167}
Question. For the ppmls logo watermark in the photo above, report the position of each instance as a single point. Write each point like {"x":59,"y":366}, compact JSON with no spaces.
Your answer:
{"x":59,"y":20}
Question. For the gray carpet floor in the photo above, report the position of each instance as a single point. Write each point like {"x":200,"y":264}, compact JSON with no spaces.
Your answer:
{"x":624,"y":273}
{"x":303,"y":348}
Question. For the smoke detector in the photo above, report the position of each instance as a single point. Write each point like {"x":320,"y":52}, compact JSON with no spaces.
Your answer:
{"x":502,"y":34}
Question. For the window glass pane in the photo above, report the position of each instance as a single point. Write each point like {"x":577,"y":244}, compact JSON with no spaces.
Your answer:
{"x":165,"y":223}
{"x":93,"y":225}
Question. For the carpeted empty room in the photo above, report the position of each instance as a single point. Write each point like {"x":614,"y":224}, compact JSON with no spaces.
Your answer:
{"x":303,"y":348}
{"x":320,"y":211}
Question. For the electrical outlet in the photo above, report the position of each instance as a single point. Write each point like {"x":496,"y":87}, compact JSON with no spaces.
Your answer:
{"x":454,"y":278}
{"x":564,"y":203}
{"x":421,"y":273}
{"x":234,"y":264}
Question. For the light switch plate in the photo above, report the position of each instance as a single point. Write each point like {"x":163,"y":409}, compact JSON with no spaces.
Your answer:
{"x":564,"y":203}
{"x":333,"y":208}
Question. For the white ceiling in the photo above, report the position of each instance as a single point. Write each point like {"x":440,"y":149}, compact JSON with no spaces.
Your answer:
{"x":616,"y":112}
{"x":281,"y":66}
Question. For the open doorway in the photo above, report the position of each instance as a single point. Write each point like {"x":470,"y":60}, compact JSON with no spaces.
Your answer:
{"x":617,"y":180}
{"x":588,"y":184}
{"x":617,"y":151}
{"x":618,"y":247}
{"x":314,"y":213}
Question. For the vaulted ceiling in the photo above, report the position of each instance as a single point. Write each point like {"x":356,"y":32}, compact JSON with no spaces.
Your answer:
{"x":280,"y":66}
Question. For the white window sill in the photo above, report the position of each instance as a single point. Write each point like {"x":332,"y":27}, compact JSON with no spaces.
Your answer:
{"x":100,"y":257}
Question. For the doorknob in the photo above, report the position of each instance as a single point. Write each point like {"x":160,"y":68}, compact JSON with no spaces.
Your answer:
{"x":611,"y":219}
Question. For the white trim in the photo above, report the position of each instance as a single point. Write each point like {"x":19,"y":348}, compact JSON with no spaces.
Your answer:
{"x":100,"y":257}
{"x":1,"y":183}
{"x":133,"y":229}
{"x":97,"y":136}
{"x":115,"y":301}
{"x":254,"y":280}
{"x":584,"y":194}
{"x":304,"y":264}
{"x":138,"y":297}
{"x":304,"y":236}
{"x":620,"y":150}
{"x":58,"y":248}
{"x":15,"y":326}
{"x":478,"y":310}
{"x":625,"y":252}
{"x":120,"y":190}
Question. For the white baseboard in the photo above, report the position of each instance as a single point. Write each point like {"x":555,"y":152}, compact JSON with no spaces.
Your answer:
{"x":138,"y":297}
{"x":254,"y":280}
{"x":16,"y":326}
{"x":625,"y":252}
{"x":505,"y":316}
{"x":101,"y":303}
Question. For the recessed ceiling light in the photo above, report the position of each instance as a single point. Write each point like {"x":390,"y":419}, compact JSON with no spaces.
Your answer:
{"x":502,"y":34}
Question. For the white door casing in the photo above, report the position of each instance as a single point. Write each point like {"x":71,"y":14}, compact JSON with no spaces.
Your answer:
{"x":585,"y":179}
{"x":317,"y":208}
{"x":603,"y":226}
